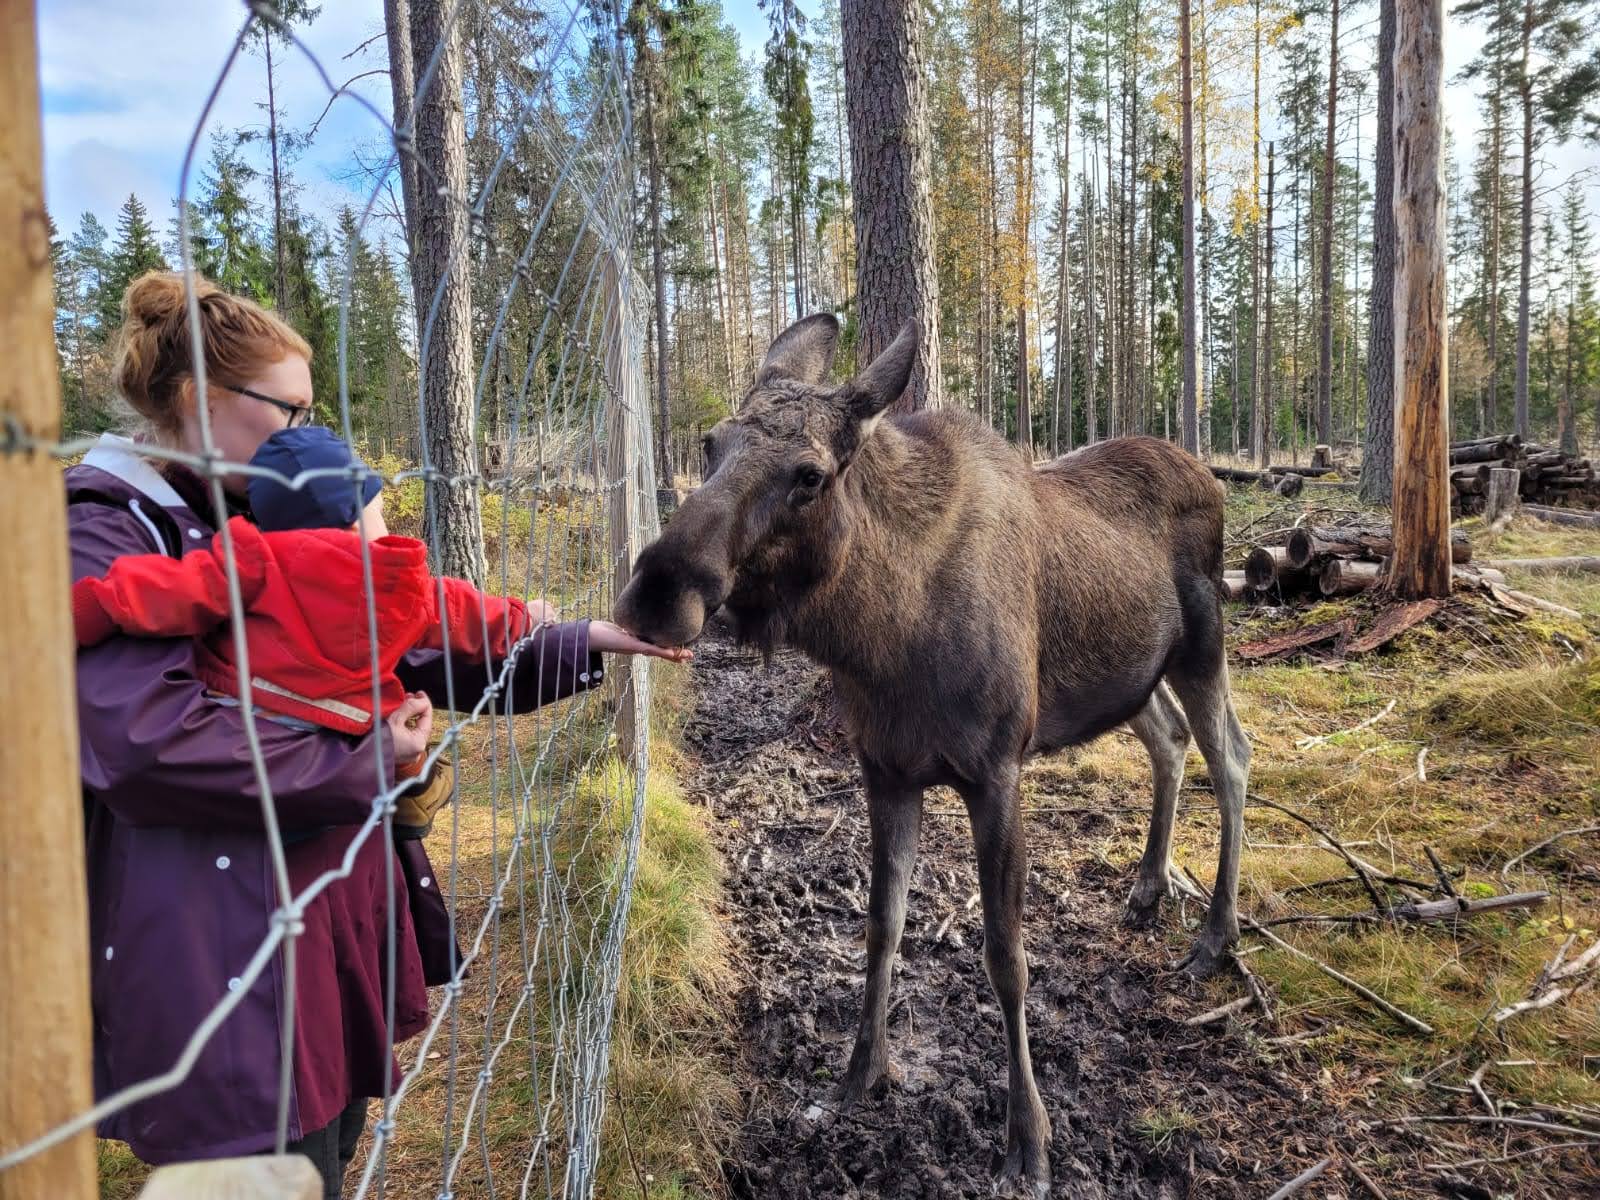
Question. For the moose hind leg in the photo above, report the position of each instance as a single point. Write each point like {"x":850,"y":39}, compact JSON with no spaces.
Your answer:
{"x":1209,"y":704}
{"x":995,"y":808}
{"x":895,"y":816}
{"x":1160,"y":725}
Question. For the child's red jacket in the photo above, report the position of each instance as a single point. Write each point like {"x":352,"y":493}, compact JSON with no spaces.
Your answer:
{"x":305,"y":616}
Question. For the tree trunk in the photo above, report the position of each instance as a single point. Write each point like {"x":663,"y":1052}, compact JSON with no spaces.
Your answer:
{"x":1191,"y":341}
{"x":397,"y":29}
{"x":1525,"y":268}
{"x":1091,"y":429}
{"x":1258,"y":422}
{"x":1205,"y":248}
{"x":1325,"y":360}
{"x":1063,"y":342}
{"x":1263,"y":414}
{"x":280,"y":272}
{"x":658,"y":271}
{"x":1023,"y":218}
{"x":896,"y":279}
{"x":1421,"y":563}
{"x":442,"y":274}
{"x":1377,"y":459}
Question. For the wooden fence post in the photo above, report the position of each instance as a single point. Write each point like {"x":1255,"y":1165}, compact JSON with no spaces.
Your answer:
{"x":45,"y":1044}
{"x":622,"y":480}
{"x":1421,"y":565}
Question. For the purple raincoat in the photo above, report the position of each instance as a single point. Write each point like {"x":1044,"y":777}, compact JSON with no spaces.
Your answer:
{"x":180,"y":881}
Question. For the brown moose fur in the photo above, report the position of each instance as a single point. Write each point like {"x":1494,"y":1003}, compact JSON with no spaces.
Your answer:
{"x":973,"y":610}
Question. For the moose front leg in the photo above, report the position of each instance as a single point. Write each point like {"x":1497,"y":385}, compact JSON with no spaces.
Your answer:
{"x":996,"y":810}
{"x":894,"y":813}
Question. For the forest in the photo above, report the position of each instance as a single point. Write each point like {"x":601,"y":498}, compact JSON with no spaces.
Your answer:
{"x":1056,"y":206}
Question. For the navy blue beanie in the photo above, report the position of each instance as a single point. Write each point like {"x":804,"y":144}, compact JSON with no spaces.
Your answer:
{"x":322,"y":502}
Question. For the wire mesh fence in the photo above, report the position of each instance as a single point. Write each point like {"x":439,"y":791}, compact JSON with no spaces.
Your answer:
{"x":502,"y":1092}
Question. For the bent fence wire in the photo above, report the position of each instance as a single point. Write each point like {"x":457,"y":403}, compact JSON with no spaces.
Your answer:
{"x":503,"y":1092}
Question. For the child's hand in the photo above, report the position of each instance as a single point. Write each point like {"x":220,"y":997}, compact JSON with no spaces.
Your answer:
{"x":411,"y":725}
{"x":612,"y":639}
{"x":542,"y":612}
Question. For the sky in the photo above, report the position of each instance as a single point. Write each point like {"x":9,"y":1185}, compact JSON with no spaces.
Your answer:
{"x":124,"y":84}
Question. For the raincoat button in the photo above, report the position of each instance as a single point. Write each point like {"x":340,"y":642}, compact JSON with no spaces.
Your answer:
{"x":196,"y":534}
{"x":223,"y":862}
{"x":426,"y":880}
{"x":235,"y":984}
{"x":583,"y":678}
{"x":109,"y":953}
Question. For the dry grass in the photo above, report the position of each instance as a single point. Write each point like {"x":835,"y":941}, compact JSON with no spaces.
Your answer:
{"x":1509,"y":714}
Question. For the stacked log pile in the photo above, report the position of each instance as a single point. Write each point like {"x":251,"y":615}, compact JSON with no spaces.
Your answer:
{"x":1332,"y":560}
{"x":1547,"y":476}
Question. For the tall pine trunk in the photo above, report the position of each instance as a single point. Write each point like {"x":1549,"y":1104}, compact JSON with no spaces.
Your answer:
{"x":280,"y":270}
{"x":1325,"y":305}
{"x":1525,"y":268}
{"x":1191,"y":343}
{"x":659,"y":271}
{"x":1257,"y":418}
{"x":896,"y":279}
{"x":443,"y":281}
{"x":1265,"y":411}
{"x":1377,"y":457}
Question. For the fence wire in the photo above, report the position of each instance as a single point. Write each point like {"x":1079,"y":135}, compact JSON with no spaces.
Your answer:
{"x":503,"y":1093}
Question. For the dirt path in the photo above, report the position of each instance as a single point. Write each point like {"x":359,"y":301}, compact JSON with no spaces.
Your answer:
{"x":1142,"y":1105}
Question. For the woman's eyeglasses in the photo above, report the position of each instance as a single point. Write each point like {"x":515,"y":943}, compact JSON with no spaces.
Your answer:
{"x":299,"y":414}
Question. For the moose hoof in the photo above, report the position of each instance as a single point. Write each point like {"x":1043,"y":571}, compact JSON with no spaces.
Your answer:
{"x":1026,"y":1174}
{"x":858,"y":1084}
{"x":1142,"y":913}
{"x":1206,"y":958}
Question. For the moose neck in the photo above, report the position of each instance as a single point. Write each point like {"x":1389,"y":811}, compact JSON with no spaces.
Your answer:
{"x":893,"y":519}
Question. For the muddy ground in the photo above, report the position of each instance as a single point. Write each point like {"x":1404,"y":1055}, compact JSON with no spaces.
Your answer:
{"x":1111,"y":1053}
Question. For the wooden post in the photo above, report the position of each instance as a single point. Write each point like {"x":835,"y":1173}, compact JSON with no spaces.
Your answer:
{"x":45,"y":1042}
{"x":622,"y":485}
{"x":269,"y":1177}
{"x":1500,"y":497}
{"x":1421,"y":564}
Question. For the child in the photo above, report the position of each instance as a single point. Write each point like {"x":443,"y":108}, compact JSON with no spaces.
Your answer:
{"x":306,"y":621}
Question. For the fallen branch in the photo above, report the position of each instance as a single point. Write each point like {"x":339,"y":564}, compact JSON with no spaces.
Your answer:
{"x":1543,"y":566}
{"x":1372,"y":1189}
{"x":1306,"y":743}
{"x":1522,"y":601}
{"x":1300,"y":1180}
{"x":1355,"y":864}
{"x":1537,"y":846}
{"x":1544,"y":995}
{"x":1222,"y":1012}
{"x":1475,"y":1119}
{"x":1360,"y":989}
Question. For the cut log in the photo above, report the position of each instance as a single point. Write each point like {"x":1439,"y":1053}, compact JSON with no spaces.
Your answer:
{"x":1483,"y":452}
{"x":1563,"y":516}
{"x":1289,"y":486}
{"x":1512,"y":440}
{"x":1269,"y":565}
{"x":1344,"y":576}
{"x":1500,"y":499}
{"x":1322,"y":456}
{"x":1234,"y":585}
{"x":1547,"y":566}
{"x":1372,"y":541}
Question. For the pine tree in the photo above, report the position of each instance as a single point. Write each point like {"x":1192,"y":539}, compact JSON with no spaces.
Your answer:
{"x":135,"y":252}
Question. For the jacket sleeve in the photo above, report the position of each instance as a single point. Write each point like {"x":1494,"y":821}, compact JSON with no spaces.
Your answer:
{"x":157,"y":751}
{"x":554,"y":663}
{"x":466,"y":607}
{"x":151,"y":595}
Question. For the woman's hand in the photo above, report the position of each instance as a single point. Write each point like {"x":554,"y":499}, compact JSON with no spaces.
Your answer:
{"x":411,"y":725}
{"x":612,"y":639}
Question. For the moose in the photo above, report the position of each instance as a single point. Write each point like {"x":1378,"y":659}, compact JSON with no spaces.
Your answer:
{"x":973,"y":610}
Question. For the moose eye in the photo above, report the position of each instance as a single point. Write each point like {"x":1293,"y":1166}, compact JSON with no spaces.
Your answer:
{"x":809,"y":477}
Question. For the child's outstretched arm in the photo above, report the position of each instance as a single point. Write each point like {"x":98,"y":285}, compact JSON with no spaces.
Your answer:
{"x":151,"y":595}
{"x":465,"y":609}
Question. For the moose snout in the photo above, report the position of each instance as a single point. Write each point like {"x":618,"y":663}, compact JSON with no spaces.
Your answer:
{"x":667,"y":601}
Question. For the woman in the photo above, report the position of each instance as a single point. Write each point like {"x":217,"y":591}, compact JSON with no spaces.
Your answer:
{"x":181,"y":885}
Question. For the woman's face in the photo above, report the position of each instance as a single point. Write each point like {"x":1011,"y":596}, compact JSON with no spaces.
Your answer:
{"x":241,"y":422}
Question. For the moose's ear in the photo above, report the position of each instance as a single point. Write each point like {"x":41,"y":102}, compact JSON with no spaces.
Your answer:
{"x":803,"y":352}
{"x":880,"y":385}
